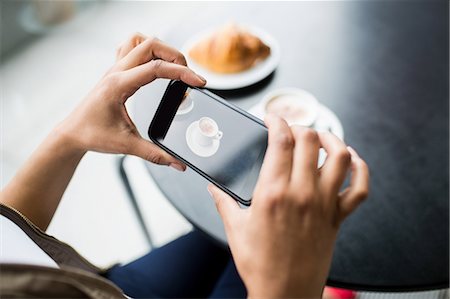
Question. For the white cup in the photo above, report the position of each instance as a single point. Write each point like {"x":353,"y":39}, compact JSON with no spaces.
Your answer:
{"x":294,"y":105}
{"x":207,"y":131}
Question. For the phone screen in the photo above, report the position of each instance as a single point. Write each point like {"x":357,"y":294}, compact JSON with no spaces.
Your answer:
{"x":221,"y":142}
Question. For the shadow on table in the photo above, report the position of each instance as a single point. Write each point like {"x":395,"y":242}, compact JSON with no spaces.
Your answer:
{"x":245,"y":91}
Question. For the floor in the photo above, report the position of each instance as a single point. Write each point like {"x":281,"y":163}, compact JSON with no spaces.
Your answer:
{"x":41,"y":83}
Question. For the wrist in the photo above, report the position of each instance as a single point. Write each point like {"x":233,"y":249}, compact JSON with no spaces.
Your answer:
{"x":265,"y":293}
{"x":277,"y":289}
{"x":66,"y":142}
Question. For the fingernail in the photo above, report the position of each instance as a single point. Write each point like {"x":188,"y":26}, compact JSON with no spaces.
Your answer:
{"x":352,"y":151}
{"x":201,"y":78}
{"x":177,"y":166}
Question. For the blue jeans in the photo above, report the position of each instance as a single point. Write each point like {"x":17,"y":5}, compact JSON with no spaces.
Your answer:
{"x":192,"y":266}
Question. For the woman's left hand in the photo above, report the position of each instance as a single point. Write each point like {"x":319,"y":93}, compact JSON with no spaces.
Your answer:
{"x":101,"y":122}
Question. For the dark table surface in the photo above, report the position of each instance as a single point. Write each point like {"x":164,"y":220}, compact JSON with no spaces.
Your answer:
{"x":382,"y":67}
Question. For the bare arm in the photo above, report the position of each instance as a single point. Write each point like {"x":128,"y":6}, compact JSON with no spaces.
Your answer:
{"x":100,"y":123}
{"x":39,"y":185}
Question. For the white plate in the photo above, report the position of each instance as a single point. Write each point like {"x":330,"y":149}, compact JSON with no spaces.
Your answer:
{"x":236,"y":80}
{"x":199,"y":150}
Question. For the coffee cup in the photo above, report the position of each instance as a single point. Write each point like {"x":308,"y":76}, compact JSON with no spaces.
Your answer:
{"x":207,"y":131}
{"x":296,"y":106}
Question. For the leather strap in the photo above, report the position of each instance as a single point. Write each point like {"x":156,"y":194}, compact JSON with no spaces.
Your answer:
{"x":62,"y":253}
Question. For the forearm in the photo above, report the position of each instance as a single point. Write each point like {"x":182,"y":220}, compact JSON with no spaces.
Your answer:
{"x":38,"y":186}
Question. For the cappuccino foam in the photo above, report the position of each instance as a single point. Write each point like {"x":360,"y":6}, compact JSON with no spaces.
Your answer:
{"x":207,"y":126}
{"x":291,"y":108}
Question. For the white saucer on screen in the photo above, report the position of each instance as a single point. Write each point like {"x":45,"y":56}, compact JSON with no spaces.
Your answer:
{"x":199,"y":150}
{"x":185,"y":110}
{"x":245,"y":78}
{"x":326,"y":121}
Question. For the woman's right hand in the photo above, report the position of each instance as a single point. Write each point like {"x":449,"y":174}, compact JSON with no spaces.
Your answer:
{"x":283,"y":243}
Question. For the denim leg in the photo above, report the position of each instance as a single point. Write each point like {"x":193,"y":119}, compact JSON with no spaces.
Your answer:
{"x":184,"y":268}
{"x":230,"y":284}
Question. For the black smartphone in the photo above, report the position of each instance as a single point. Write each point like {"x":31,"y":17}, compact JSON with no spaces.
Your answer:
{"x":220,"y":141}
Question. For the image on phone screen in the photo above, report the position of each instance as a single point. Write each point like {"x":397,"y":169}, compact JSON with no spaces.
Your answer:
{"x":217,"y":140}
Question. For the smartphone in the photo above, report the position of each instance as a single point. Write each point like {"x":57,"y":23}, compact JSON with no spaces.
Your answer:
{"x":218,"y":140}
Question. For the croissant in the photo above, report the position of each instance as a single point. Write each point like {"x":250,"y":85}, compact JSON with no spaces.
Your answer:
{"x":230,"y":50}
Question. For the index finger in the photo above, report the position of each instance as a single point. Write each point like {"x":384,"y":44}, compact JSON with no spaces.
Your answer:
{"x":277,"y":163}
{"x":151,"y":48}
{"x":306,"y":153}
{"x":337,"y":163}
{"x":139,"y":76}
{"x":129,"y":45}
{"x":358,"y":190}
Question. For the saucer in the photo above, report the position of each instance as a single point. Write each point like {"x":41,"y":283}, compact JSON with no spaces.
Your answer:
{"x":199,"y":150}
{"x":326,"y":121}
{"x":185,"y":110}
{"x":301,"y":96}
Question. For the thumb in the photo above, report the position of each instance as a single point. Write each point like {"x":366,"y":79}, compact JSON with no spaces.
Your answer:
{"x":227,"y":207}
{"x":152,"y":153}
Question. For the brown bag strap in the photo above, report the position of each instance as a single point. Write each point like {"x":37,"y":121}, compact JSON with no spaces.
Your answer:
{"x":62,"y":253}
{"x":29,"y":281}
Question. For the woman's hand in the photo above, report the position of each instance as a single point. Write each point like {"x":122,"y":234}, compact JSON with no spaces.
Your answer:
{"x":101,"y":122}
{"x":283,"y":243}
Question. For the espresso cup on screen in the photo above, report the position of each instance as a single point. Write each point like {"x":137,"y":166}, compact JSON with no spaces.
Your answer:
{"x":295,"y":106}
{"x":207,"y":131}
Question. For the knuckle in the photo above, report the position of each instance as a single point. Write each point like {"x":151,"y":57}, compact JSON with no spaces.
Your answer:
{"x":136,"y":37}
{"x":154,"y":158}
{"x":284,"y":140}
{"x":306,"y":134}
{"x":279,"y":122}
{"x":361,"y":194}
{"x":307,"y":195}
{"x":302,"y":205}
{"x":344,"y":156}
{"x":304,"y":195}
{"x":276,"y":194}
{"x":152,"y":40}
{"x":304,"y":198}
{"x":156,"y":64}
{"x":273,"y":195}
